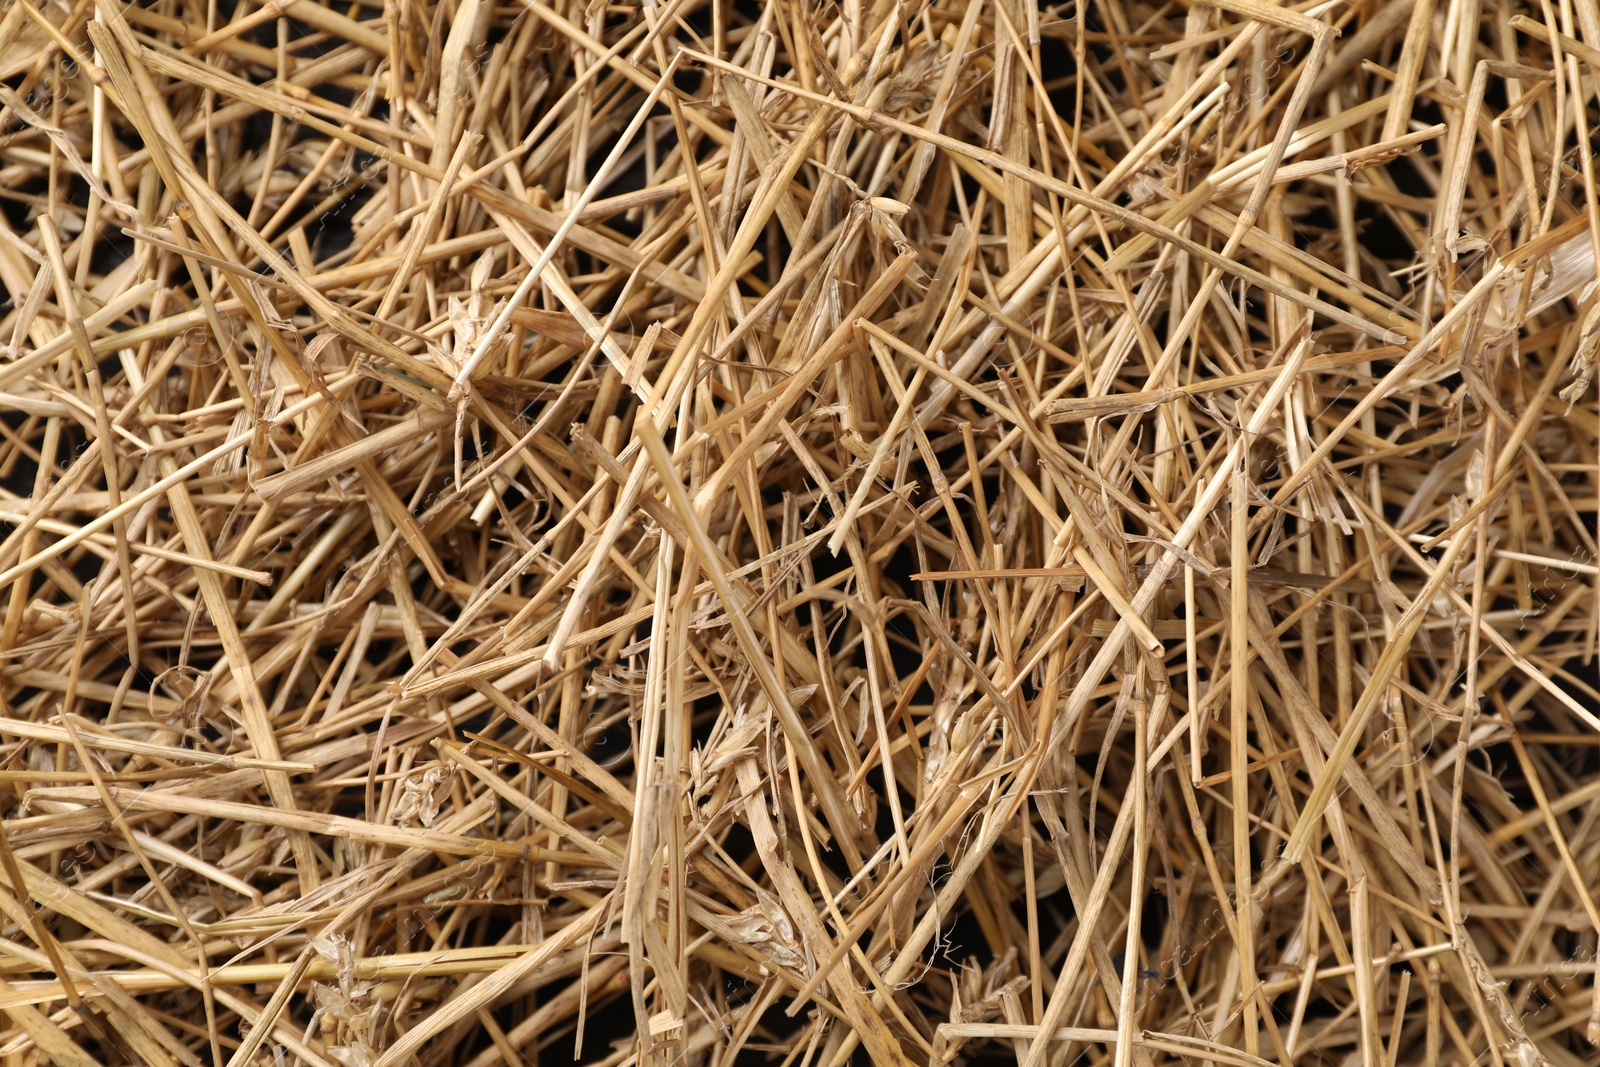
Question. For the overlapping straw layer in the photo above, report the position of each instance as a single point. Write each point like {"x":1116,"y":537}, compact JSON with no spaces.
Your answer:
{"x":801,"y":533}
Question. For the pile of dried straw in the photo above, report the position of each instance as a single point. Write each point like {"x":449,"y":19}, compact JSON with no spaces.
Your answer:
{"x":805,"y":532}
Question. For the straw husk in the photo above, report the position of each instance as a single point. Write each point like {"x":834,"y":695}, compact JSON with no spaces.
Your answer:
{"x":799,"y":533}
